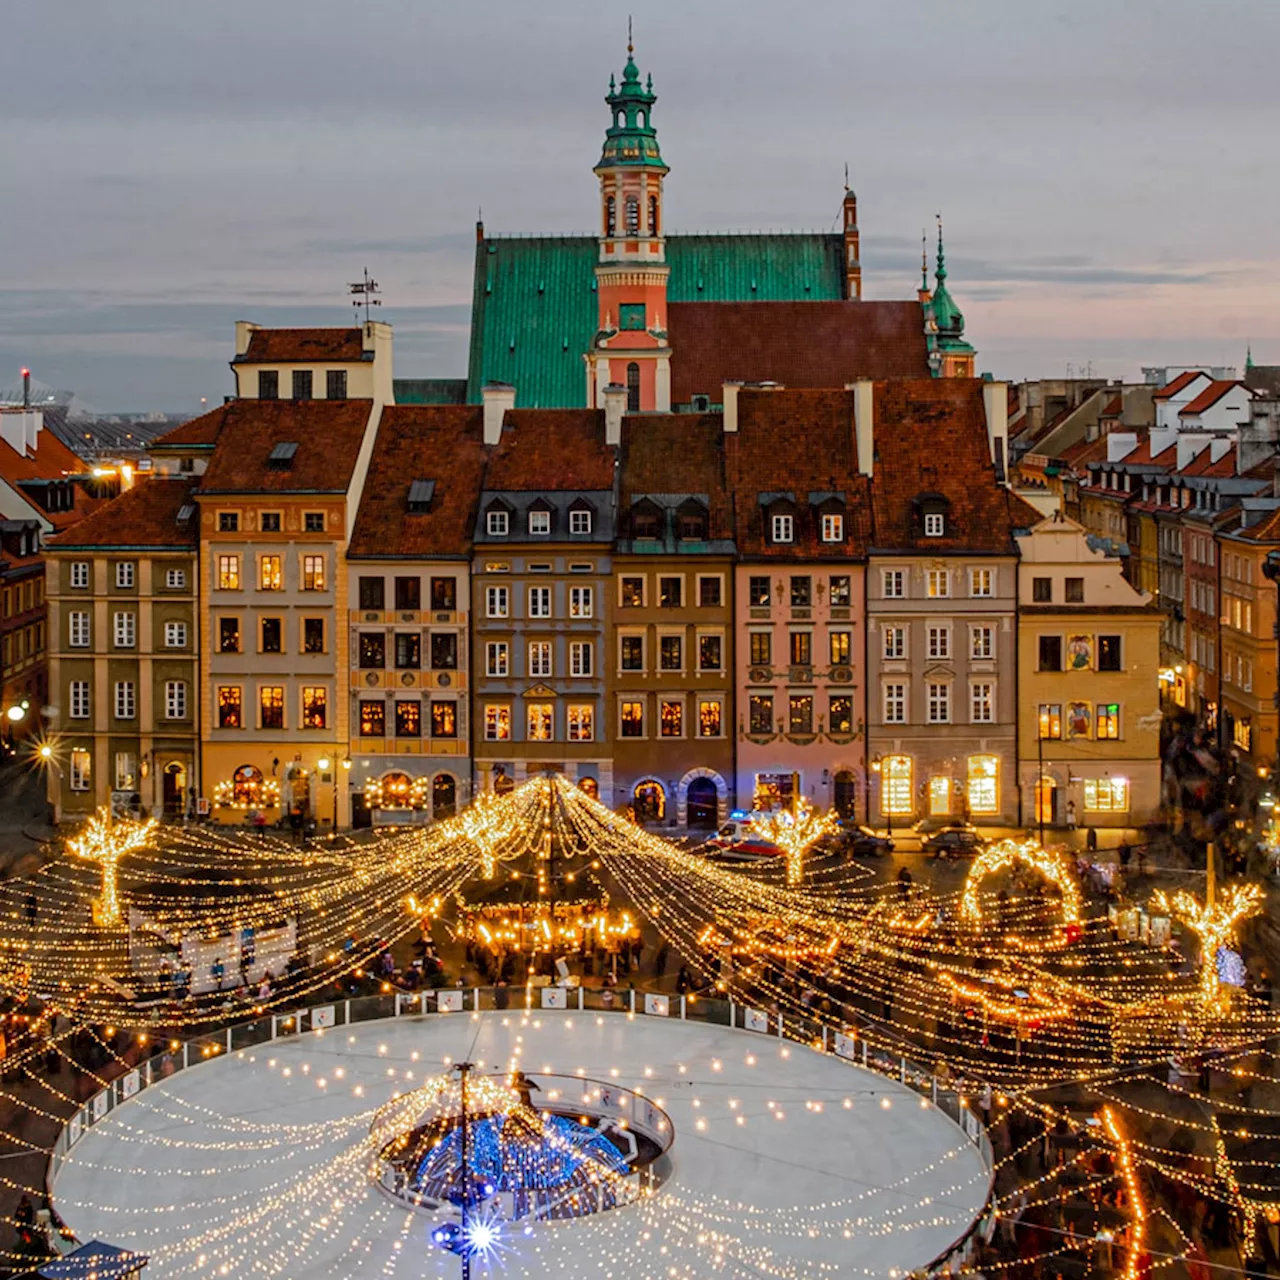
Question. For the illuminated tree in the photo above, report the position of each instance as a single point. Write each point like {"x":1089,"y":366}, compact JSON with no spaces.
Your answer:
{"x":1214,"y":924}
{"x":794,"y":832}
{"x":106,"y":842}
{"x":487,"y":823}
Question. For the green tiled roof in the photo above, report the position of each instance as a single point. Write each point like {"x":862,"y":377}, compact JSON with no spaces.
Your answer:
{"x":429,"y":390}
{"x":534,"y":307}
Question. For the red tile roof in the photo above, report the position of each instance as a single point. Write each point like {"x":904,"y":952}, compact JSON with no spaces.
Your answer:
{"x":328,"y":434}
{"x":1085,"y":451}
{"x":800,"y":344}
{"x":1209,"y":396}
{"x":304,"y":346}
{"x":1181,"y":381}
{"x":1115,"y":407}
{"x":197,"y":432}
{"x":50,"y":460}
{"x":931,"y":437}
{"x":443,"y":443}
{"x":144,"y":516}
{"x":1266,"y":530}
{"x":1201,"y":466}
{"x":677,"y":453}
{"x":551,"y":450}
{"x":799,"y":442}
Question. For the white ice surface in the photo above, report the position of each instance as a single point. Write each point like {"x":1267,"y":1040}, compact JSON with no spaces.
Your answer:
{"x":250,"y":1165}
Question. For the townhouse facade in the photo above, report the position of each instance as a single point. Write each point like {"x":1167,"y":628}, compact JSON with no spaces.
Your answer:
{"x":124,"y":645}
{"x":1088,"y":705}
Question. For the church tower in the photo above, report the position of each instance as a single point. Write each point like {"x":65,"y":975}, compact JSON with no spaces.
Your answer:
{"x":630,"y":346}
{"x":950,"y":355}
{"x":852,"y":258}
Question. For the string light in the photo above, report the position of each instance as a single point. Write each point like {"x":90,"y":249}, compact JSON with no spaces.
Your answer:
{"x":106,"y":842}
{"x":794,"y":832}
{"x":1215,"y":925}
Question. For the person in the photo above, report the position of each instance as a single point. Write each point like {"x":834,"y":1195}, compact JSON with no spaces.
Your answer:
{"x":1124,"y":853}
{"x":904,"y":884}
{"x":1071,"y":815}
{"x":217,"y":971}
{"x":502,"y":995}
{"x":684,"y":983}
{"x":524,"y":1087}
{"x":1091,"y":839}
{"x":260,"y":821}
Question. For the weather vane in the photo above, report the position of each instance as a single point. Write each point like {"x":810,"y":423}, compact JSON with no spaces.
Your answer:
{"x":365,"y":293}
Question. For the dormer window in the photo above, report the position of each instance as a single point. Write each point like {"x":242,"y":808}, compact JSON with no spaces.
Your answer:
{"x":580,"y":517}
{"x":539,"y":523}
{"x":420,"y":494}
{"x":782,"y":528}
{"x":932,"y":516}
{"x":646,"y":520}
{"x":497,"y":522}
{"x":934,"y":524}
{"x":833,"y":528}
{"x":691,"y":521}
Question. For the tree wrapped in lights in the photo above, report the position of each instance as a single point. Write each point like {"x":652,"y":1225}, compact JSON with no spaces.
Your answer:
{"x":1004,"y":855}
{"x":794,"y":832}
{"x":106,"y":843}
{"x":1214,"y":924}
{"x":487,"y":823}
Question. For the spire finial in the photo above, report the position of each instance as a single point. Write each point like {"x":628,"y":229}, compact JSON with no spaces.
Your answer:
{"x":924,"y":261}
{"x":630,"y":46}
{"x":1248,"y":356}
{"x":942,"y":265}
{"x":846,"y":175}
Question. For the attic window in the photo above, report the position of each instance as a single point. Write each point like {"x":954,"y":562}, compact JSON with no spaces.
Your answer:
{"x":281,"y":456}
{"x":646,"y":520}
{"x":691,"y":522}
{"x":496,"y":523}
{"x":934,"y":524}
{"x":580,"y":517}
{"x":420,"y":494}
{"x":185,"y":512}
{"x":782,"y":528}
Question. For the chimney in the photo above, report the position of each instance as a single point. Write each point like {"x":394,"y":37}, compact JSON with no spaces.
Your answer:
{"x":615,"y":405}
{"x":244,"y":331}
{"x":995,"y":400}
{"x":26,"y":388}
{"x":729,"y":398}
{"x":497,"y":398}
{"x":864,"y":439}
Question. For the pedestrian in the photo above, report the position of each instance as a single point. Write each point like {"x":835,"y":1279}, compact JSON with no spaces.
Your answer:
{"x":1071,"y":815}
{"x":684,"y":983}
{"x":217,"y":971}
{"x":660,"y":960}
{"x":1091,"y":839}
{"x":904,"y":884}
{"x":1124,"y":853}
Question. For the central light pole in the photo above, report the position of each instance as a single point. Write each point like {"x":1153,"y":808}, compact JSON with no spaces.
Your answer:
{"x":464,"y":1069}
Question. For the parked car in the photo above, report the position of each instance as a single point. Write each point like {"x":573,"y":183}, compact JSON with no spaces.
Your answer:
{"x":738,"y":841}
{"x":863,"y":841}
{"x":953,"y":842}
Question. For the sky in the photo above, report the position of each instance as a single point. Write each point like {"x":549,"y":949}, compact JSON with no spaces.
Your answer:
{"x":1104,"y":169}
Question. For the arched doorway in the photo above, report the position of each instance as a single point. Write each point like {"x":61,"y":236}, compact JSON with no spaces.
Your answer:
{"x":650,"y":802}
{"x":703,"y":802}
{"x":246,"y":786}
{"x":173,"y":783}
{"x":444,"y":795}
{"x":394,"y":791}
{"x":589,"y":787}
{"x":1046,"y":801}
{"x":846,"y":794}
{"x":299,"y":790}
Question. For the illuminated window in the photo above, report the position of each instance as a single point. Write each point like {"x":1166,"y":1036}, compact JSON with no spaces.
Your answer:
{"x":497,"y":658}
{"x":373,"y":650}
{"x":539,"y":722}
{"x":840,"y":717}
{"x":631,"y":593}
{"x":895,"y":643}
{"x":896,"y":786}
{"x":246,"y":785}
{"x":841,"y":647}
{"x":1242,"y":735}
{"x":709,"y":718}
{"x":1106,"y":795}
{"x":982,"y":697}
{"x":980,"y":582}
{"x":761,"y":647}
{"x":539,"y":652}
{"x":581,"y":602}
{"x":760,"y":713}
{"x":1051,"y":720}
{"x":672,"y":718}
{"x":631,"y":719}
{"x":315,"y":706}
{"x":631,"y":655}
{"x":497,"y":722}
{"x":229,"y":573}
{"x":937,"y":583}
{"x":408,"y":719}
{"x":444,"y":719}
{"x":126,"y":770}
{"x":939,"y":797}
{"x":984,"y":784}
{"x":81,"y":769}
{"x":582,"y":722}
{"x":230,"y":707}
{"x":709,"y":653}
{"x":671,"y":653}
{"x":981,"y":643}
{"x":270,"y":577}
{"x":833,"y":528}
{"x":271,"y":706}
{"x":800,"y":713}
{"x":313,"y":573}
{"x":801,"y":643}
{"x":841,"y":592}
{"x":1108,"y":719}
{"x":373,"y":718}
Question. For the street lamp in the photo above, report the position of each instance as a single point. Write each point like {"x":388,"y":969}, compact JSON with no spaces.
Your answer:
{"x":323,"y":765}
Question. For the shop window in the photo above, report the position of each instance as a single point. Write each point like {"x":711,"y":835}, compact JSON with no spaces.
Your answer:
{"x":984,"y":784}
{"x":1106,"y":795}
{"x":650,"y":802}
{"x":896,"y":785}
{"x":246,"y":786}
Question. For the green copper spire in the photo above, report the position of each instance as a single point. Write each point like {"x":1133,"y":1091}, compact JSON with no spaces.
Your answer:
{"x":1248,"y":357}
{"x":947,"y":317}
{"x":924,"y":261}
{"x":631,"y":140}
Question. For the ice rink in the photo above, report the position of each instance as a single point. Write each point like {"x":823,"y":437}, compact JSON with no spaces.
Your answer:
{"x":785,"y":1162}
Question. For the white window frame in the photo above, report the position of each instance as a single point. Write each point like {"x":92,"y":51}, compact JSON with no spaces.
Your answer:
{"x":934,"y":524}
{"x":125,"y":702}
{"x":81,"y":769}
{"x":497,"y":659}
{"x":539,"y":600}
{"x":704,"y":701}
{"x":175,"y":699}
{"x":698,"y":639}
{"x":580,"y":722}
{"x":580,"y":523}
{"x":895,"y":643}
{"x":832,"y":528}
{"x":495,"y":736}
{"x":893,"y":584}
{"x":939,"y":643}
{"x":941,"y":579}
{"x":124,"y":573}
{"x":80,"y":574}
{"x":539,"y":524}
{"x":982,"y":702}
{"x":497,"y":602}
{"x":895,"y":702}
{"x":540,"y":660}
{"x":982,"y":647}
{"x":582,"y":602}
{"x":982,"y":583}
{"x":497,"y":523}
{"x":782,"y":529}
{"x":175,"y":635}
{"x":124,"y":629}
{"x":938,"y":702}
{"x":582,"y":658}
{"x":79,"y":696}
{"x":79,"y":633}
{"x":175,"y":579}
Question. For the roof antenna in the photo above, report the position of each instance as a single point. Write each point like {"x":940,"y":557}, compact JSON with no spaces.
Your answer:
{"x":365,"y":293}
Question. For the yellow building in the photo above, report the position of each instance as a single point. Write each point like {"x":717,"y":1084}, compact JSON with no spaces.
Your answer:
{"x":1088,"y":681}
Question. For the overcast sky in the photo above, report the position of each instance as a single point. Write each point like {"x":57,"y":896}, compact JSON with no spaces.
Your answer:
{"x":1105,"y":169}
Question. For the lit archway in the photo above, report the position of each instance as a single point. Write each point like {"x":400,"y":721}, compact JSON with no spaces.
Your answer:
{"x":650,"y":802}
{"x":1004,"y":855}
